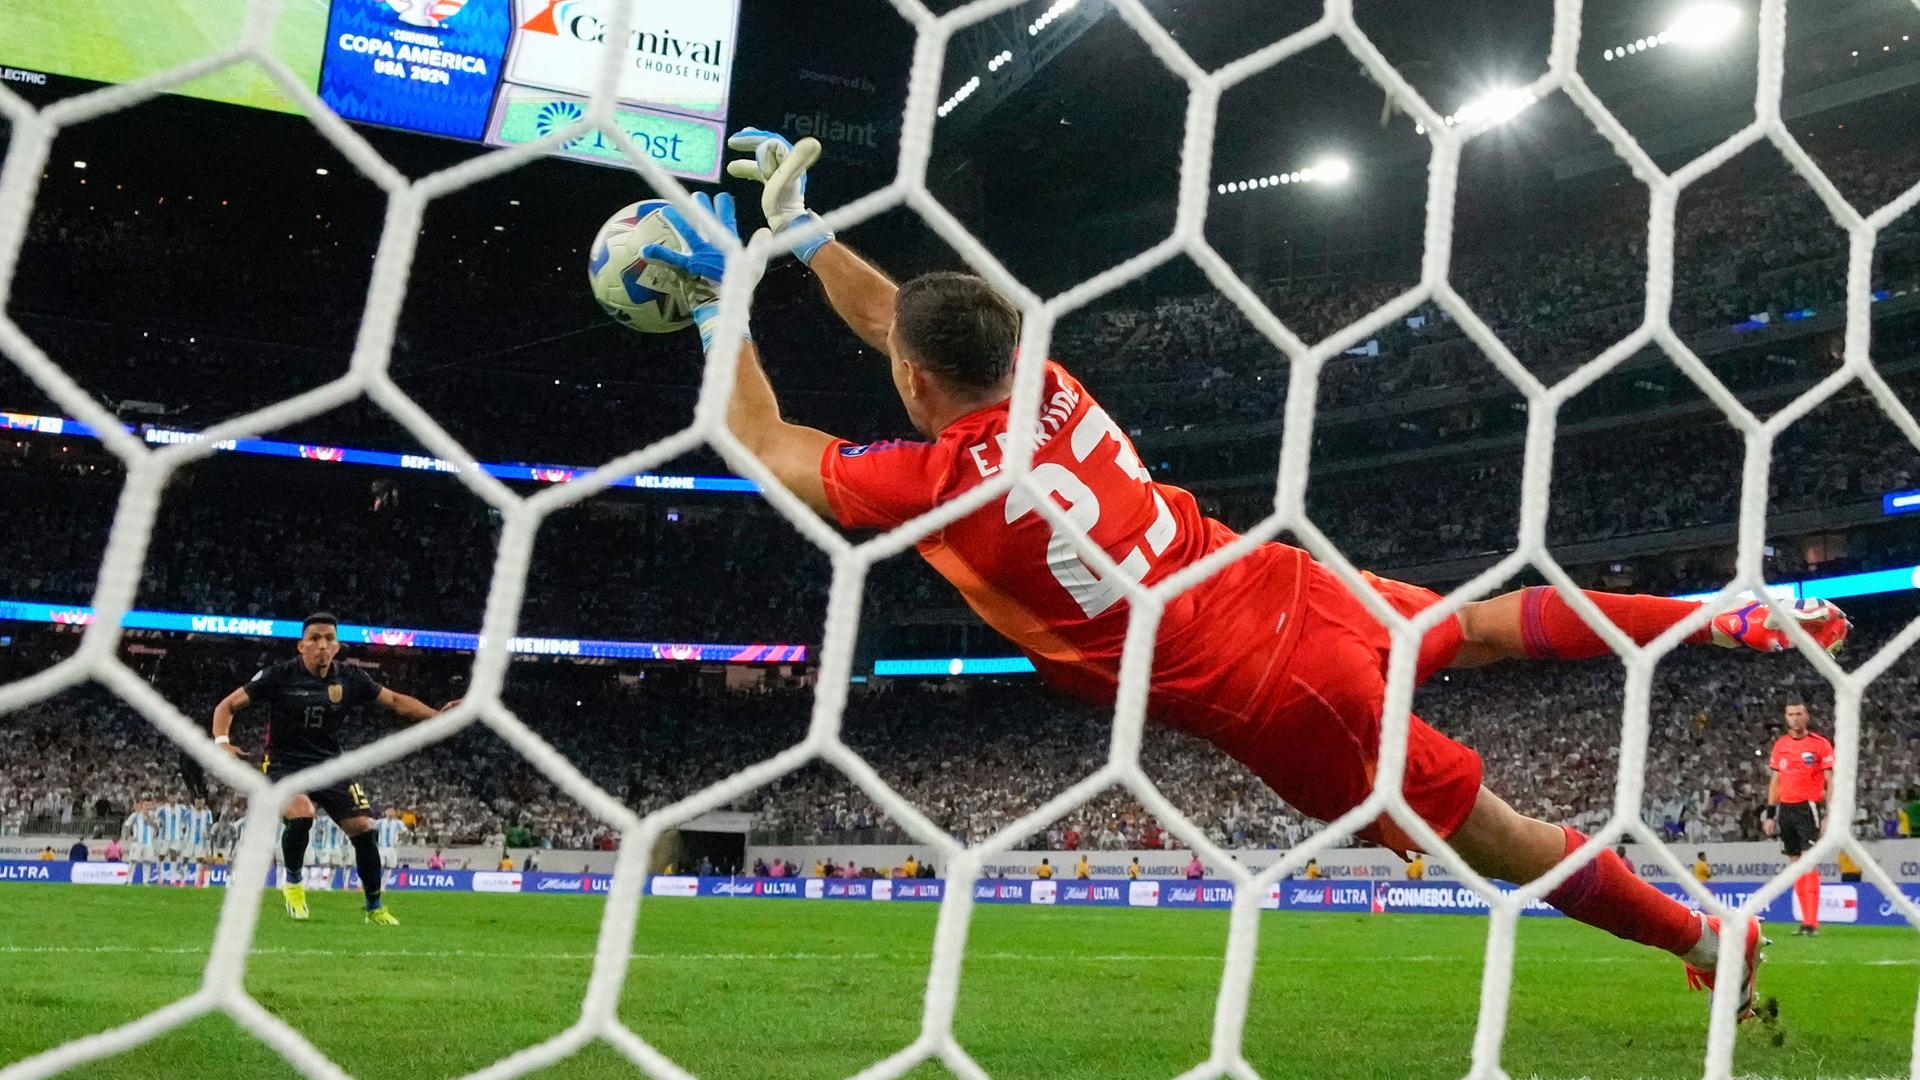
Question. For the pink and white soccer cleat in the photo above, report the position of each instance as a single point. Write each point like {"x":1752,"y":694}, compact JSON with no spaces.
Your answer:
{"x":1757,"y":627}
{"x":1701,"y":978}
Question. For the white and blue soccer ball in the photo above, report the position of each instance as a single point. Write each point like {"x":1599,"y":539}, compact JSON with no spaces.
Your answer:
{"x":648,"y":297}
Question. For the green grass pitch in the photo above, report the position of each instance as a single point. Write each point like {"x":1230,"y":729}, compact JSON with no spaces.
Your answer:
{"x":123,"y":40}
{"x":774,"y":988}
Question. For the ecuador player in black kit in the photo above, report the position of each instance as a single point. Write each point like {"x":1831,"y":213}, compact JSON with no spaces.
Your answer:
{"x":308,"y":699}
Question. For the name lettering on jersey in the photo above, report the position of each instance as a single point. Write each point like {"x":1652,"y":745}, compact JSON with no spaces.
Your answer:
{"x":1059,"y":409}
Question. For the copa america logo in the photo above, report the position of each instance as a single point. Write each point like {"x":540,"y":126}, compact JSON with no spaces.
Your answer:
{"x":427,"y":13}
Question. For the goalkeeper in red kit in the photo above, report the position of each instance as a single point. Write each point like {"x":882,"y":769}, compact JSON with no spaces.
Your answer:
{"x":1271,"y":659}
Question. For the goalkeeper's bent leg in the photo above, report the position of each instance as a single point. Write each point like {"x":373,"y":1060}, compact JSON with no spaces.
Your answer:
{"x":1501,"y":843}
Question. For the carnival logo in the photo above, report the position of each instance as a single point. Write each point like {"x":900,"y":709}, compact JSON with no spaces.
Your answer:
{"x":656,"y":49}
{"x":72,"y":617}
{"x":323,"y":453}
{"x":393,"y":637}
{"x":427,"y":13}
{"x":553,"y":476}
{"x":545,"y":21}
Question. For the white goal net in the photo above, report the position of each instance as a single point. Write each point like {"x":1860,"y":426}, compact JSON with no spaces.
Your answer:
{"x":149,"y":468}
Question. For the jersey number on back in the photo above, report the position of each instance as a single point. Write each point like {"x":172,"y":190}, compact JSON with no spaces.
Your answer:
{"x":1093,"y":593}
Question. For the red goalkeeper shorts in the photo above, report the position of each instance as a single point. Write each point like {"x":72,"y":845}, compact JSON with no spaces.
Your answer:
{"x":1314,"y":736}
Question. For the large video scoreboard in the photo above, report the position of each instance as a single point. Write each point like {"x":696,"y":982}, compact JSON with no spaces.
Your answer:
{"x":501,"y":72}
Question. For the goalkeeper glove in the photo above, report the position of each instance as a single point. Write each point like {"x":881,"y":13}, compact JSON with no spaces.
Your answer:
{"x":704,"y":262}
{"x":780,"y":166}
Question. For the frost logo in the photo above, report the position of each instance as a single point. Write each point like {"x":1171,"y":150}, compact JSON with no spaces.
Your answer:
{"x":555,"y":115}
{"x":427,"y":13}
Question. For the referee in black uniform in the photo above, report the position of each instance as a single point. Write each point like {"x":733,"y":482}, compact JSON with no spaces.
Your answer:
{"x":308,"y":699}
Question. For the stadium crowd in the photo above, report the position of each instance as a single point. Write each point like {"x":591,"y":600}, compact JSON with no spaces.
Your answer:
{"x":718,"y":568}
{"x":1751,"y":241}
{"x":975,"y":757}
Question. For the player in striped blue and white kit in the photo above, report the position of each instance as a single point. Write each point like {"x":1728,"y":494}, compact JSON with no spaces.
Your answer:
{"x":173,"y":840}
{"x":198,"y":841}
{"x":388,"y":833}
{"x":137,"y":836}
{"x":327,"y":841}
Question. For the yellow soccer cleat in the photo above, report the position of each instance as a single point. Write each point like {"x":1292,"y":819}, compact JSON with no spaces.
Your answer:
{"x":382,"y":917}
{"x":296,"y":897}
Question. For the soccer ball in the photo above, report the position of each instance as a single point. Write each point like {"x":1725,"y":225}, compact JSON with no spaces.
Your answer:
{"x":650,"y":298}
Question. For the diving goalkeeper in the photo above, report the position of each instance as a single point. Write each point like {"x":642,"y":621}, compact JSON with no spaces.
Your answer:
{"x":1271,"y":659}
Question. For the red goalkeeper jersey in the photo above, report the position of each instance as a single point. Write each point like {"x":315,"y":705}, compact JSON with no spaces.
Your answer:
{"x":1803,"y":765}
{"x":1219,"y":643}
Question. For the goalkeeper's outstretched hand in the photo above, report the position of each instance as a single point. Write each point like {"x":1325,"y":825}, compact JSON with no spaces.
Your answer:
{"x":780,"y":166}
{"x":704,"y":261}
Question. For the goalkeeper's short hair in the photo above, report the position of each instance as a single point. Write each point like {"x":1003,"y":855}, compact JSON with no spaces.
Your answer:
{"x":956,"y":326}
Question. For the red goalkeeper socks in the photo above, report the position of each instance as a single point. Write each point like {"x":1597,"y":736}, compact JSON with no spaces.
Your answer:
{"x":1553,"y":631}
{"x":1605,"y":894}
{"x":1806,"y":889}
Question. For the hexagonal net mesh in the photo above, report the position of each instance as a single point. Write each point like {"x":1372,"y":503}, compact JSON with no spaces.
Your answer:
{"x":149,"y":468}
